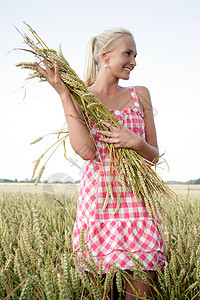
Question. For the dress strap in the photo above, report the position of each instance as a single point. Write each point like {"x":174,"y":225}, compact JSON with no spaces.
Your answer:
{"x":135,"y":98}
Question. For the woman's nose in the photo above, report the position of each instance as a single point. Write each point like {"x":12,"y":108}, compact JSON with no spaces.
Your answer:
{"x":133,"y":61}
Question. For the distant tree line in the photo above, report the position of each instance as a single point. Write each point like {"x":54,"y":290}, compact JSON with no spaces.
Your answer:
{"x":9,"y":180}
{"x":192,"y":181}
{"x":33,"y":180}
{"x":195,"y":181}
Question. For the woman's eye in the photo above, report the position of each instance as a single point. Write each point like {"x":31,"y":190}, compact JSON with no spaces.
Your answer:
{"x":128,"y":52}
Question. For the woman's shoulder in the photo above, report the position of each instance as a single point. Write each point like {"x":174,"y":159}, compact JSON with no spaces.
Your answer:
{"x":142,"y":90}
{"x":143,"y":96}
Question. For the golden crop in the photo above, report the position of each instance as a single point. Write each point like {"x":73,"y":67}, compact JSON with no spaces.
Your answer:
{"x":37,"y":260}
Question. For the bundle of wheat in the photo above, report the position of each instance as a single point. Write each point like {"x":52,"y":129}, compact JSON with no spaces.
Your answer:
{"x":131,"y":168}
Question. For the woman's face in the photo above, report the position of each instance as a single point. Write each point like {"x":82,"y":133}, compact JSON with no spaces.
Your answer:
{"x":121,"y":60}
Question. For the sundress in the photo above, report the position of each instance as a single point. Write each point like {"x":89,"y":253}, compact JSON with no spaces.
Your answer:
{"x":110,"y":237}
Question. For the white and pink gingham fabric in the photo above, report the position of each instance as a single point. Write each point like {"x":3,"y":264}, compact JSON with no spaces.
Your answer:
{"x":131,"y":230}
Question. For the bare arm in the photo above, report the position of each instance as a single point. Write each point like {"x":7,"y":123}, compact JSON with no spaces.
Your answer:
{"x":148,"y":148}
{"x":79,"y":134}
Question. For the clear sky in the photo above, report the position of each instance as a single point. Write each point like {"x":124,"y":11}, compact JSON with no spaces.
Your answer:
{"x":167,"y":35}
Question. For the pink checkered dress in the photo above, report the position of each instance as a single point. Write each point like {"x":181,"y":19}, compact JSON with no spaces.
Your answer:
{"x":131,"y":230}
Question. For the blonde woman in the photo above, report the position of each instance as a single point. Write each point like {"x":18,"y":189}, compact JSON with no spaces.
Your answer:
{"x":112,"y":56}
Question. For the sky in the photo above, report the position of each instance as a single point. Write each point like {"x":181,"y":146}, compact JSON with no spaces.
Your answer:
{"x":167,"y":35}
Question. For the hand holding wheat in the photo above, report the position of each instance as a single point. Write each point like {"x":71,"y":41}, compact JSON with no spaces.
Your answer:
{"x":53,"y":77}
{"x":121,"y":137}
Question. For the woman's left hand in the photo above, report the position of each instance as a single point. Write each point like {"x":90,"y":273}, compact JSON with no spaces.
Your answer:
{"x":121,"y":137}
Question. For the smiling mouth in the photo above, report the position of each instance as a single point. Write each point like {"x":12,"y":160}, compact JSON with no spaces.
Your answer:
{"x":129,"y":70}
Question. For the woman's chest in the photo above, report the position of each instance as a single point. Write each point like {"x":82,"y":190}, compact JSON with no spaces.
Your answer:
{"x":118,"y":101}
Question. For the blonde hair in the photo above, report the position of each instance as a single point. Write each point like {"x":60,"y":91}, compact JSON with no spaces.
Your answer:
{"x":106,"y":40}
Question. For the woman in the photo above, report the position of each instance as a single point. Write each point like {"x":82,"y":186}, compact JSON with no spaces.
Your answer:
{"x":110,"y":237}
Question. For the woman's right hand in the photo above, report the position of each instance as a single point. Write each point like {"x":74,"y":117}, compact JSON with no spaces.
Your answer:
{"x":53,"y":77}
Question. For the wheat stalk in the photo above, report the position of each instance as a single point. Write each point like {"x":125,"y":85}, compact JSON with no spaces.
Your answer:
{"x":24,"y":215}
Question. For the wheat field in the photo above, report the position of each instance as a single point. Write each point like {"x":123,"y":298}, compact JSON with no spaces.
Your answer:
{"x":37,"y":260}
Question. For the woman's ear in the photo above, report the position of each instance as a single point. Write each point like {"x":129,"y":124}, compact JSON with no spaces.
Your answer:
{"x":103,"y":53}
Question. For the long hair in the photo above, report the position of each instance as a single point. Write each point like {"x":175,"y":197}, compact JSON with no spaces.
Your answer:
{"x":107,"y":40}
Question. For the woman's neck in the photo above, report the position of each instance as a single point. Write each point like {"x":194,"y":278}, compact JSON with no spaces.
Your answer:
{"x":106,"y":85}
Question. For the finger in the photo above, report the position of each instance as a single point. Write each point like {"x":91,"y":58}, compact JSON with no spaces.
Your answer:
{"x":56,"y":70}
{"x":109,"y":140}
{"x":104,"y":132}
{"x":109,"y":125}
{"x":48,"y":69}
{"x":117,"y":146}
{"x":106,"y":140}
{"x":40,"y":70}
